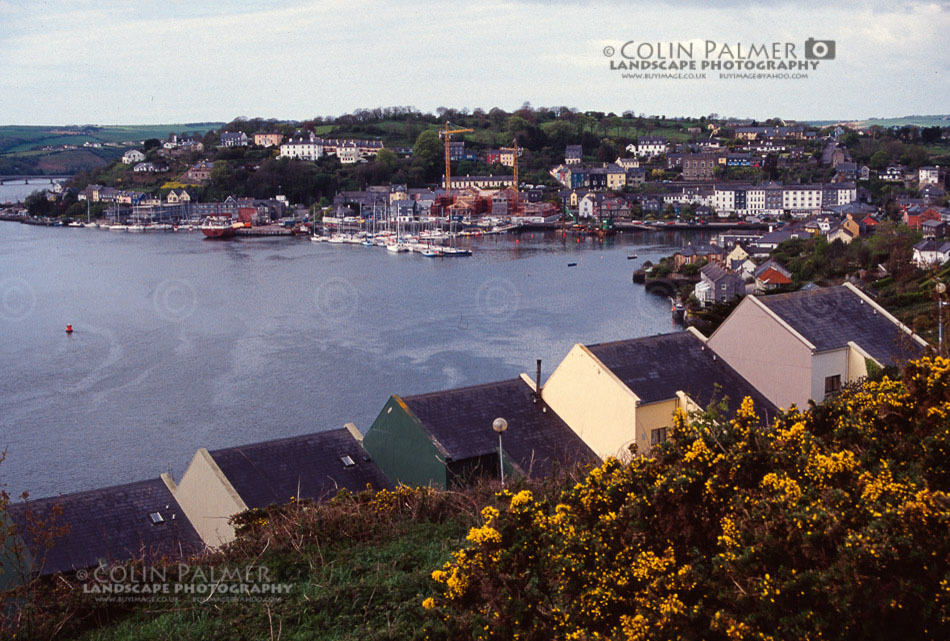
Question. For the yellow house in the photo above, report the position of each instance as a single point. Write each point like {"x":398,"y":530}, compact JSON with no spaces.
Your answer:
{"x":737,"y":256}
{"x":616,"y":178}
{"x":852,"y":226}
{"x":623,"y":394}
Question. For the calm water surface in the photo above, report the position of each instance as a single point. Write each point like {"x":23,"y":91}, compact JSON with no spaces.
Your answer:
{"x":183,"y":343}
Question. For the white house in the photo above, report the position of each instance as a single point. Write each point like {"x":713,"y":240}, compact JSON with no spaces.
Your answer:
{"x":648,"y":146}
{"x":348,"y":155}
{"x":931,"y":251}
{"x":132,"y":156}
{"x":302,"y":149}
{"x":928,"y":176}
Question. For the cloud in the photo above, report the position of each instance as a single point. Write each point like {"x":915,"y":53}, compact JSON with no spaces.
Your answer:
{"x":112,"y":61}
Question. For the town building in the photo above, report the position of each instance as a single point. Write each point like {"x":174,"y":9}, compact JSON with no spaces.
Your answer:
{"x":931,"y":252}
{"x":268,"y":139}
{"x":718,"y":284}
{"x":649,"y":146}
{"x":573,"y":154}
{"x":199,"y":172}
{"x":481,"y":182}
{"x":234,"y":139}
{"x":699,"y":166}
{"x":302,"y":148}
{"x":929,"y":176}
{"x":805,"y":345}
{"x":132,"y":156}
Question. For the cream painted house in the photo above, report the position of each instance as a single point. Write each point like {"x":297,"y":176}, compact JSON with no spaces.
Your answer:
{"x":623,"y":394}
{"x":223,"y":483}
{"x":805,"y":345}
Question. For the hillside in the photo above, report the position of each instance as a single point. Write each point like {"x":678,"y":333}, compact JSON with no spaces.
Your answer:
{"x":828,"y":524}
{"x":904,"y":121}
{"x":22,"y":147}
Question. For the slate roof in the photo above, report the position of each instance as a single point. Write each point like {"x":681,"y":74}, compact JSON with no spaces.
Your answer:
{"x":656,"y":367}
{"x":460,"y":420}
{"x":308,"y":467}
{"x":830,"y":317}
{"x":111,"y":524}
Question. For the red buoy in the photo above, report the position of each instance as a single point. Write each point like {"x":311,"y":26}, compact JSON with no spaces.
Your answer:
{"x":69,"y":328}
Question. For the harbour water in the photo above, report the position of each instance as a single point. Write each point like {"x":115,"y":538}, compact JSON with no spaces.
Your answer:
{"x":16,"y":189}
{"x":183,"y":343}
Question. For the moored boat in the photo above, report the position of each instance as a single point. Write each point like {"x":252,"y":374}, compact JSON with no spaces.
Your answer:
{"x":217,"y":227}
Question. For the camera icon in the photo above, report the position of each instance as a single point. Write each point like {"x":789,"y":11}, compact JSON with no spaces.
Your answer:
{"x":819,"y":49}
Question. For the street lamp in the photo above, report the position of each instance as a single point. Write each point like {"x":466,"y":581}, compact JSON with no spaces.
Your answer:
{"x":941,"y":289}
{"x":500,"y":425}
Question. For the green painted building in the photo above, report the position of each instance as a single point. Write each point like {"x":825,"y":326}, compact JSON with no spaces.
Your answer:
{"x":445,"y":439}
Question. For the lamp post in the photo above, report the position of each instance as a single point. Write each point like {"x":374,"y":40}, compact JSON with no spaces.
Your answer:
{"x":941,"y":289}
{"x":500,"y":425}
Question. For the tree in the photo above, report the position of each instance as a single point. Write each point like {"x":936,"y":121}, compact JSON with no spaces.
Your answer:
{"x":37,"y":204}
{"x":878,"y":160}
{"x":427,"y":152}
{"x":151,"y":143}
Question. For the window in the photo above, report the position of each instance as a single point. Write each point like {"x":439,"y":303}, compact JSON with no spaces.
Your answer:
{"x":347,"y":461}
{"x":832,"y":384}
{"x":657,"y":436}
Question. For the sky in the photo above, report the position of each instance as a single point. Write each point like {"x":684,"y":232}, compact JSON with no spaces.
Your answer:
{"x":140,"y":62}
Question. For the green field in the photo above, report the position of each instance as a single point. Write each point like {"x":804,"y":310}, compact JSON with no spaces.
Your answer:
{"x":913,"y":121}
{"x":16,"y":138}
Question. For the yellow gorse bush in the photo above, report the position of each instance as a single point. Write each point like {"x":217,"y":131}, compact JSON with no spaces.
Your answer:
{"x":826,"y":524}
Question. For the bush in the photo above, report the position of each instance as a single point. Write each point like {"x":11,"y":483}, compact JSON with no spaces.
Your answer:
{"x":829,"y":524}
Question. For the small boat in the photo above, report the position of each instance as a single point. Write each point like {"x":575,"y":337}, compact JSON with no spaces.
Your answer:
{"x":136,"y":228}
{"x":336,"y":239}
{"x":74,"y":223}
{"x":119,"y":228}
{"x":631,"y":256}
{"x":397,"y":248}
{"x":572,"y":264}
{"x":432,"y":252}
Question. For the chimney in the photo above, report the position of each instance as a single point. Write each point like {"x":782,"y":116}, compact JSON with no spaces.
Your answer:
{"x":537,"y":386}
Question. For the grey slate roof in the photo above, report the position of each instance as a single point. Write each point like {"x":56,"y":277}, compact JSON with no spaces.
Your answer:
{"x":307,"y":467}
{"x":112,"y":524}
{"x":460,"y":420}
{"x":830,"y":317}
{"x":656,"y":367}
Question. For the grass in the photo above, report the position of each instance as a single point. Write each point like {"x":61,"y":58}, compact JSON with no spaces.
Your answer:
{"x":17,"y":138}
{"x":364,"y":592}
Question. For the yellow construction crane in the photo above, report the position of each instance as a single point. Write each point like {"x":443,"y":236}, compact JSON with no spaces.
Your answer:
{"x":514,"y":151}
{"x":447,"y":134}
